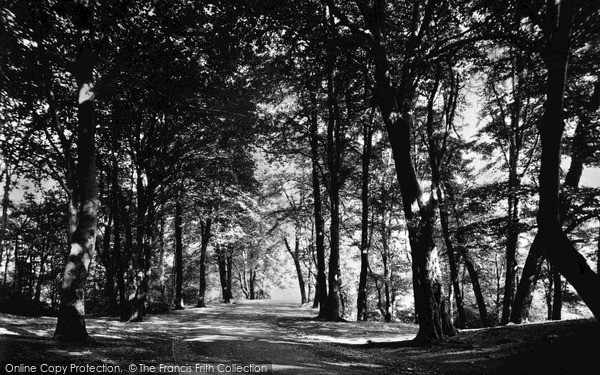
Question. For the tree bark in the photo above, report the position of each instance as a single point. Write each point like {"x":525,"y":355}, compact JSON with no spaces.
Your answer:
{"x":71,"y":326}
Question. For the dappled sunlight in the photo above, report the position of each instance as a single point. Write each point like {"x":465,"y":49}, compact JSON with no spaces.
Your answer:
{"x":108,"y":336}
{"x":4,"y":331}
{"x":41,"y":333}
{"x":213,"y":338}
{"x":352,"y":364}
{"x":71,"y":353}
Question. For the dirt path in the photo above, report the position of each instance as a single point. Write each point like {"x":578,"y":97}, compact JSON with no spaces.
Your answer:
{"x":284,"y":335}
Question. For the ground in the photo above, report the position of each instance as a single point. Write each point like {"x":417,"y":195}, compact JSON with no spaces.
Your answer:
{"x":285,"y":335}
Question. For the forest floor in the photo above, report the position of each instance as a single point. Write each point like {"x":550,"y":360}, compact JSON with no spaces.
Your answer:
{"x":285,"y":335}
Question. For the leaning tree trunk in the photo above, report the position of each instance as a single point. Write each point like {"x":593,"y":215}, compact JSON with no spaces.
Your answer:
{"x":559,"y":249}
{"x":71,"y":326}
{"x":205,"y":229}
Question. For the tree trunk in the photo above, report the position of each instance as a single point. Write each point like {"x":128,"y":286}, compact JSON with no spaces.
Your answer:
{"x":430,"y":306}
{"x":128,"y":261}
{"x":451,"y":252}
{"x":559,"y":249}
{"x":229,"y":264}
{"x":361,"y":303}
{"x":317,"y":211}
{"x":109,"y":265}
{"x":222,"y":262}
{"x":483,"y":316}
{"x":316,"y":299}
{"x":334,"y":156}
{"x":161,"y":256}
{"x":557,"y":298}
{"x":4,"y":224}
{"x":295,"y":256}
{"x":252,"y":284}
{"x":511,"y":241}
{"x":205,"y":229}
{"x":38,"y":287}
{"x":71,"y":326}
{"x":535,"y":257}
{"x":178,"y":252}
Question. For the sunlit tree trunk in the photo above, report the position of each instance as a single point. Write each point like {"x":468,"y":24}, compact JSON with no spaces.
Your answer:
{"x":71,"y":317}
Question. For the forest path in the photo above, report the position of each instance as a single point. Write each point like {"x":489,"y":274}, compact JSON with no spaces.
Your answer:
{"x":247,"y":332}
{"x":284,"y":334}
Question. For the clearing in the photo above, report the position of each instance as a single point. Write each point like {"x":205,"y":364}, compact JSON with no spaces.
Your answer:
{"x":284,"y":334}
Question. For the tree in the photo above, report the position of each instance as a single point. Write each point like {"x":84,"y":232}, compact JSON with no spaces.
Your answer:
{"x":71,"y":317}
{"x":550,"y":233}
{"x":394,"y":102}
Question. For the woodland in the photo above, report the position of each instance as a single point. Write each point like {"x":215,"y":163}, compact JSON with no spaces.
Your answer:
{"x":403,"y":163}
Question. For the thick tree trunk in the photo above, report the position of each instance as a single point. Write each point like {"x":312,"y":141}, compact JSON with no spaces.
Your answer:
{"x":71,"y":317}
{"x":178,"y":252}
{"x":535,"y":257}
{"x":432,"y":312}
{"x":317,"y":211}
{"x":559,"y":249}
{"x":434,"y":322}
{"x":295,"y":256}
{"x":205,"y":229}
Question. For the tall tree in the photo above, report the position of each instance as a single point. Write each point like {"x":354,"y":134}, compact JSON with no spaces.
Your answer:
{"x":71,"y":317}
